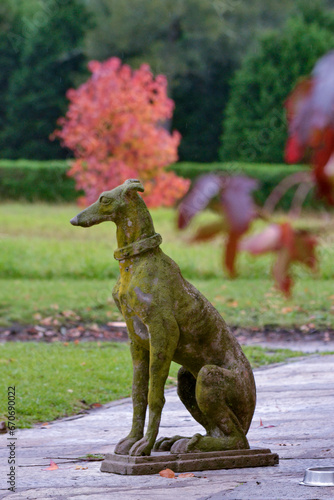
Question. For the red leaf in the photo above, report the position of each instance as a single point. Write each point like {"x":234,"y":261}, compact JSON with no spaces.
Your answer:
{"x":265,"y":426}
{"x":167,"y":473}
{"x":297,"y":106}
{"x":304,"y":249}
{"x":310,"y":112}
{"x":209,"y":231}
{"x":323,"y":163}
{"x":239,"y":211}
{"x":323,"y":93}
{"x":237,"y":205}
{"x":53,"y":466}
{"x":238,"y":202}
{"x":231,"y":252}
{"x":267,"y":241}
{"x":293,"y":150}
{"x":187,"y":474}
{"x":198,"y":197}
{"x":281,"y":270}
{"x":291,"y":246}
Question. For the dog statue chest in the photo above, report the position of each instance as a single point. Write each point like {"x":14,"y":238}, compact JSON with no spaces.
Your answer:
{"x":140,"y":331}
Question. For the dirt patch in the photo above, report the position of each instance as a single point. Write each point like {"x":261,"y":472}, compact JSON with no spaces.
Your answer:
{"x":71,"y":332}
{"x":276,"y":335}
{"x":117,"y":332}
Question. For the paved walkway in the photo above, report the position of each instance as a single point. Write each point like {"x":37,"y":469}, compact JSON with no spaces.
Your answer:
{"x":295,"y":405}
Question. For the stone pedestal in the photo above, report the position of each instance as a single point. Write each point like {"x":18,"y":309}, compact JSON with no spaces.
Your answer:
{"x":188,"y":462}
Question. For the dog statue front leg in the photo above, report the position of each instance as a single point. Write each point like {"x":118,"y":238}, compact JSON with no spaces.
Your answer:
{"x":164,"y":340}
{"x":140,"y":360}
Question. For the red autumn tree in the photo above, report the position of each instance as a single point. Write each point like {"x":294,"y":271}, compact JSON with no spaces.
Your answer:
{"x":115,"y":127}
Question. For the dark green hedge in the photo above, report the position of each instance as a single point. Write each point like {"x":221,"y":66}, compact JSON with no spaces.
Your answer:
{"x":36,"y":181}
{"x":48,"y":181}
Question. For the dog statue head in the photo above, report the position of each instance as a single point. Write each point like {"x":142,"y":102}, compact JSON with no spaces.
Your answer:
{"x":111,"y":205}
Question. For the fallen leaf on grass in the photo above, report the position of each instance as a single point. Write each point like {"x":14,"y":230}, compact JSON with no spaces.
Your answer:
{"x":286,"y":310}
{"x":53,"y":466}
{"x":68,"y":314}
{"x":167,"y":473}
{"x":95,"y":405}
{"x":47,"y":321}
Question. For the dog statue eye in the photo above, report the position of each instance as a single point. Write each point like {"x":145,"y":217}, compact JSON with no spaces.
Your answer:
{"x":104,"y":200}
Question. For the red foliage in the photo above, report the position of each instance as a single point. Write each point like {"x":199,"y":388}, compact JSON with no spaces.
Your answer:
{"x":114,"y":126}
{"x":291,"y":245}
{"x":235,"y":203}
{"x":310,"y":113}
{"x":239,"y":209}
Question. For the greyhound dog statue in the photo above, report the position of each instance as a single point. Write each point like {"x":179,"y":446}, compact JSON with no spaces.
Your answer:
{"x":168,"y":319}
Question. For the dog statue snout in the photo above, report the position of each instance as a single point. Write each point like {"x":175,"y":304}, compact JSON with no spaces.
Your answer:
{"x":74,"y":221}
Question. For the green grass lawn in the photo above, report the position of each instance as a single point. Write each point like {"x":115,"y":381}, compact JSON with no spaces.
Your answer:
{"x":56,"y":380}
{"x":48,"y":266}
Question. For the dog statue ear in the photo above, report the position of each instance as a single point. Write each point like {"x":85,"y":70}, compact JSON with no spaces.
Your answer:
{"x":133,"y":185}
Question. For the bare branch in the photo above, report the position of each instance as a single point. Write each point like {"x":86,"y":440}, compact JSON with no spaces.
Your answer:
{"x":300,"y":195}
{"x":287,"y":183}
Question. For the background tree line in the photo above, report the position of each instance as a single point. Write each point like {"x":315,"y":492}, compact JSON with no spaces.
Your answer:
{"x":230,"y":64}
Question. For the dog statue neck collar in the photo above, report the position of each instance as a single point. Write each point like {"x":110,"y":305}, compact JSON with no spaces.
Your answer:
{"x":138,"y":247}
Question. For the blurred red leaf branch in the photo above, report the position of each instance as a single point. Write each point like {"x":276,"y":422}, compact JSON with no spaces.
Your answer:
{"x":310,"y":115}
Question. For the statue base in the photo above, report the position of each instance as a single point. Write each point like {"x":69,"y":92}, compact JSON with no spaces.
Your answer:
{"x":188,"y":462}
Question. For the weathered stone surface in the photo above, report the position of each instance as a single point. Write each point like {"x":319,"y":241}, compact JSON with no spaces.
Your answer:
{"x":188,"y":462}
{"x":168,"y":319}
